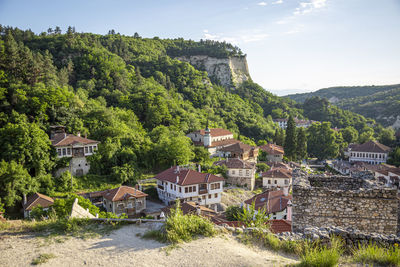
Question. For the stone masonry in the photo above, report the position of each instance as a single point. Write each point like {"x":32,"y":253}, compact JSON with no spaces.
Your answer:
{"x":343,"y":201}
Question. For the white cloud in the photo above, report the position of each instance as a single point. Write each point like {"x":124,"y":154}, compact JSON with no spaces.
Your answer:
{"x":262,"y":4}
{"x":296,"y":29}
{"x":205,"y":30}
{"x":277,"y":2}
{"x":310,"y":6}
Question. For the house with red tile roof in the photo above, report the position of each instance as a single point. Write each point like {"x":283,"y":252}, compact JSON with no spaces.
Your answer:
{"x":189,"y":185}
{"x":274,"y":152}
{"x":123,"y":199}
{"x":371,"y":152}
{"x":277,"y":203}
{"x":35,"y":200}
{"x":277,"y":177}
{"x":280,"y":226}
{"x":241,"y":151}
{"x":239,"y":172}
{"x":191,"y":208}
{"x":75,"y":147}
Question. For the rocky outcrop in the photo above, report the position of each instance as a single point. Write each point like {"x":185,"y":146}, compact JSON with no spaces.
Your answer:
{"x":229,"y":72}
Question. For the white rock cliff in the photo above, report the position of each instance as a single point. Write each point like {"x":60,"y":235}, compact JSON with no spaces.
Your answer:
{"x":229,"y":72}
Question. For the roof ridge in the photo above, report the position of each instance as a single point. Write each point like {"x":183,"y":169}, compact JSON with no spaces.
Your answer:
{"x":184,"y":178}
{"x":119,"y":188}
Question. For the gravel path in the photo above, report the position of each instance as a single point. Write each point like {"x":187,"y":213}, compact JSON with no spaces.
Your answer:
{"x":124,"y":247}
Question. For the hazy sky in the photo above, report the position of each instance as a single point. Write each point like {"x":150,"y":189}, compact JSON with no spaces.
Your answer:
{"x":291,"y":46}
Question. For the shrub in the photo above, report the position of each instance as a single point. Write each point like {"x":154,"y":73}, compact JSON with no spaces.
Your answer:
{"x":38,"y":213}
{"x":252,"y":217}
{"x":63,"y":206}
{"x":43,"y":258}
{"x":322,"y":256}
{"x":373,"y":254}
{"x":232,"y":212}
{"x":152,"y":192}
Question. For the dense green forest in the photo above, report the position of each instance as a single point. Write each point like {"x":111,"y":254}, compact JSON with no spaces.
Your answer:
{"x":381,"y":103}
{"x":130,"y":94}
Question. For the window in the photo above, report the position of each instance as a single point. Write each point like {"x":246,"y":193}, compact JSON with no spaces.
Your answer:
{"x":209,"y":196}
{"x":64,"y":151}
{"x":69,"y":151}
{"x":216,"y":195}
{"x":180,"y":189}
{"x":233,"y":171}
{"x":204,"y":196}
{"x":170,"y":186}
{"x":174,"y":187}
{"x":86,"y":150}
{"x":130,"y":206}
{"x":190,"y":198}
{"x":286,"y":181}
{"x":215,"y":186}
{"x":269,"y":181}
{"x":186,"y":189}
{"x":194,"y":189}
{"x":240,"y":172}
{"x":247,"y":173}
{"x":59,"y":151}
{"x":190,"y":189}
{"x":275,"y":181}
{"x":91,"y":149}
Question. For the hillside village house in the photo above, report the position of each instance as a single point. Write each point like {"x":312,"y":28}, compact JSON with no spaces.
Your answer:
{"x":35,"y":200}
{"x":241,"y":151}
{"x":212,"y":139}
{"x":124,"y":199}
{"x":239,"y":172}
{"x":189,"y":185}
{"x":278,"y":204}
{"x":371,"y":152}
{"x":75,"y":147}
{"x":274,"y":152}
{"x":277,"y":177}
{"x":299,"y":123}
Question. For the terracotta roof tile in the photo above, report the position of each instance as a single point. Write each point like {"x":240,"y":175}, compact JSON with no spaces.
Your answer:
{"x":187,"y":176}
{"x":215,"y":132}
{"x":122,"y":193}
{"x":280,"y":226}
{"x":235,"y":163}
{"x":277,"y":173}
{"x":71,"y":139}
{"x":38,"y":199}
{"x":273,"y":149}
{"x":238,"y":147}
{"x":224,"y":143}
{"x":191,"y":208}
{"x":371,"y":146}
{"x":273,"y":201}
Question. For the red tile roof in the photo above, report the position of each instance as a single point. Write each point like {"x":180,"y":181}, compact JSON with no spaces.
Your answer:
{"x":122,"y":193}
{"x":215,"y":132}
{"x":273,"y":201}
{"x":277,"y":173}
{"x":70,"y":139}
{"x":187,"y":176}
{"x":38,"y":199}
{"x":280,"y":226}
{"x":238,"y":147}
{"x":224,"y":143}
{"x":272,"y":149}
{"x":371,"y":146}
{"x":191,"y":208}
{"x":235,"y":163}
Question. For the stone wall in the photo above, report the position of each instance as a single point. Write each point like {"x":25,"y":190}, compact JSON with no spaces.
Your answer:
{"x":228,"y":72}
{"x":345,"y":202}
{"x":248,"y":182}
{"x":79,"y":212}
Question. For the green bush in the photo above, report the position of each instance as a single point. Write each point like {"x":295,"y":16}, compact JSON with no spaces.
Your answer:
{"x":63,"y":206}
{"x":232,"y":212}
{"x":252,"y":217}
{"x":38,"y":213}
{"x":152,"y":192}
{"x":373,"y":254}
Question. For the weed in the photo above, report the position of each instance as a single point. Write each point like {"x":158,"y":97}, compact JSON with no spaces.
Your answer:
{"x":322,"y":256}
{"x":374,"y":254}
{"x":43,"y":258}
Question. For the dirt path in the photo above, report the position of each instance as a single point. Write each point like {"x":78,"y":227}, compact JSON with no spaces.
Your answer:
{"x":124,"y":247}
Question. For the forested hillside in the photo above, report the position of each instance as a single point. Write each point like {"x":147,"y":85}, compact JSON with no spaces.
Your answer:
{"x":381,"y":103}
{"x":130,"y":94}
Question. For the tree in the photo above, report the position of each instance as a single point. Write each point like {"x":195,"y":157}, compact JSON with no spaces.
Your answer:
{"x":15,"y":182}
{"x":262,"y":167}
{"x":279,"y":137}
{"x":322,"y":141}
{"x":366,"y":135}
{"x":290,"y":141}
{"x":202,"y":155}
{"x":301,"y":146}
{"x":394,"y":157}
{"x":350,"y":134}
{"x":387,"y":136}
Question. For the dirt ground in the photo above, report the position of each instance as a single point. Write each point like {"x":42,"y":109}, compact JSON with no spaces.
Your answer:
{"x":124,"y":247}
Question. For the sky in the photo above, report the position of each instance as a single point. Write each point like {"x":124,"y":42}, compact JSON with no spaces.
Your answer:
{"x":292,"y":46}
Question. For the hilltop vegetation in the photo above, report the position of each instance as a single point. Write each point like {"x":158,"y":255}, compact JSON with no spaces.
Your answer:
{"x":129,"y":93}
{"x":381,"y":103}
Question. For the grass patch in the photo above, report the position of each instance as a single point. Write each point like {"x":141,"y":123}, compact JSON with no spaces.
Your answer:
{"x":322,"y":256}
{"x":182,"y":228}
{"x":43,"y":258}
{"x":373,"y":254}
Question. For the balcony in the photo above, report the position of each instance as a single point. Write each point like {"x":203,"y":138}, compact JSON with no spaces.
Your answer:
{"x":160,"y":187}
{"x":203,"y":191}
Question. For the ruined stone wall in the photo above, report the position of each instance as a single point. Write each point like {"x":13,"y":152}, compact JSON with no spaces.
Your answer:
{"x":345,"y":202}
{"x":248,"y":182}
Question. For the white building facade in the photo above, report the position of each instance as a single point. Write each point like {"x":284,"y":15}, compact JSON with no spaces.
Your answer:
{"x":371,"y":152}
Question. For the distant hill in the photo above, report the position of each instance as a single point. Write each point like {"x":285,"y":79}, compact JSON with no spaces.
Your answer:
{"x":381,"y":103}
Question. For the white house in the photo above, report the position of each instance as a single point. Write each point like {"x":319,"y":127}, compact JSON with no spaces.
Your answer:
{"x":277,"y":178}
{"x":278,"y":204}
{"x":274,"y":152}
{"x":299,"y":123}
{"x":189,"y":185}
{"x":371,"y":152}
{"x":239,"y":172}
{"x":75,"y":147}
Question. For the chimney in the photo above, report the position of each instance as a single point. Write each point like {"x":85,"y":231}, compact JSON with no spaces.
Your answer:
{"x":199,"y":168}
{"x":177,"y":179}
{"x":177,"y":169}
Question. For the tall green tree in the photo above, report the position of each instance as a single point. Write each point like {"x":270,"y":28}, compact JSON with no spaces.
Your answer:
{"x":290,"y":140}
{"x":301,"y":145}
{"x":387,"y":136}
{"x":15,"y":182}
{"x":322,"y":141}
{"x":279,"y":137}
{"x":350,"y":134}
